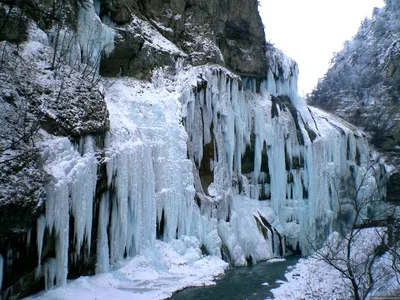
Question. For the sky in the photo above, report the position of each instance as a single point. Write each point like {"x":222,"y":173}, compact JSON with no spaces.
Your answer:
{"x":310,"y":31}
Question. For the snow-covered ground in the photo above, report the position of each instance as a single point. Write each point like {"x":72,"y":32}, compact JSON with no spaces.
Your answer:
{"x":155,"y":274}
{"x":312,"y":278}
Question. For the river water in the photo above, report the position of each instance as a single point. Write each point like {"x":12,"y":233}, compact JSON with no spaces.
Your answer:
{"x":245,"y":283}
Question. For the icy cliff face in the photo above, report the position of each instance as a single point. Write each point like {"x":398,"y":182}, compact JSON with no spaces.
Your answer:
{"x":238,"y":168}
{"x":243,"y":173}
{"x":258,"y":146}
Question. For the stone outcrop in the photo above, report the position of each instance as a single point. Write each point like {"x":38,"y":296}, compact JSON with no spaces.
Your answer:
{"x":226,"y":33}
{"x":13,"y":25}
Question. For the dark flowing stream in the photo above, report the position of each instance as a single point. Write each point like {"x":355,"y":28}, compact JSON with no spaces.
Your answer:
{"x":245,"y":283}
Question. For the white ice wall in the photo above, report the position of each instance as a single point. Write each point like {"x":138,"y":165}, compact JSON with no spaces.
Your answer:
{"x":153,"y":153}
{"x":69,"y":192}
{"x":303,"y":197}
{"x":152,"y":181}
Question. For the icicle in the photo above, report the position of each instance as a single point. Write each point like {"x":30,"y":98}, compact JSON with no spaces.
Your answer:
{"x":40,"y":226}
{"x":229,"y":128}
{"x":270,"y":84}
{"x":28,"y":238}
{"x":1,"y":270}
{"x":103,"y":260}
{"x":116,"y":250}
{"x":9,"y":257}
{"x":50,"y":272}
{"x":83,"y":188}
{"x":61,"y":225}
{"x":97,"y":6}
{"x":95,"y":38}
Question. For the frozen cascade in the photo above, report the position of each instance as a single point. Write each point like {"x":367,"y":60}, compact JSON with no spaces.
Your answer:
{"x":133,"y":221}
{"x":291,"y":155}
{"x":92,"y":40}
{"x":282,"y":79}
{"x":71,"y":191}
{"x":197,"y":159}
{"x":94,"y":37}
{"x":82,"y":188}
{"x":57,"y":215}
{"x":147,"y":165}
{"x":256,"y":182}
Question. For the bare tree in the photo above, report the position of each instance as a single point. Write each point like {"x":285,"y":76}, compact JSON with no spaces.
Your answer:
{"x":350,"y":250}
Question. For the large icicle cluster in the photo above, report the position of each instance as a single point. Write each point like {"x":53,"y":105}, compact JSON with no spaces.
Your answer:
{"x":94,"y":38}
{"x":71,"y":190}
{"x":295,"y":152}
{"x":244,"y":173}
{"x":239,"y":168}
{"x":241,"y":165}
{"x":149,"y":172}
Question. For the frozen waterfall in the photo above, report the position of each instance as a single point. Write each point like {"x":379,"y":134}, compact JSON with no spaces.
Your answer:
{"x":290,"y":157}
{"x":243,"y":166}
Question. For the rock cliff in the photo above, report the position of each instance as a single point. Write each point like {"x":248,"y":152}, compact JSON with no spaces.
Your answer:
{"x":229,"y":33}
{"x":362,"y":85}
